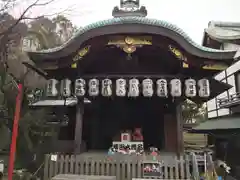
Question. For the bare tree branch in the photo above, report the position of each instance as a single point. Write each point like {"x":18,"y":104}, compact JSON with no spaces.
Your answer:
{"x":5,"y":6}
{"x":22,"y":17}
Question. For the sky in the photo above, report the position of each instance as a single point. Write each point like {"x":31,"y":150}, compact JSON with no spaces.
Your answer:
{"x":190,"y":15}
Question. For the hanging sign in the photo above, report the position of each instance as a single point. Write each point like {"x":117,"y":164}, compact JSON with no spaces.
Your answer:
{"x":190,"y":88}
{"x":107,"y":87}
{"x":176,"y":87}
{"x":51,"y":89}
{"x":121,"y":87}
{"x":147,"y":86}
{"x":162,"y":90}
{"x":80,"y":87}
{"x":133,"y":88}
{"x":65,"y":88}
{"x":93,"y":87}
{"x":204,"y":88}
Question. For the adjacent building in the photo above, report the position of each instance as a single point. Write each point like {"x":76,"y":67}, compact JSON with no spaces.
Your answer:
{"x":223,"y":123}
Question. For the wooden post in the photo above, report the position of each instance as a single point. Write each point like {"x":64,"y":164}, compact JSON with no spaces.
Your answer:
{"x":15,"y":131}
{"x":78,"y":126}
{"x":179,"y":119}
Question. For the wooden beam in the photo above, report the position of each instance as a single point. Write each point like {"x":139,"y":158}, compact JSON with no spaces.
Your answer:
{"x":78,"y":126}
{"x":139,"y":76}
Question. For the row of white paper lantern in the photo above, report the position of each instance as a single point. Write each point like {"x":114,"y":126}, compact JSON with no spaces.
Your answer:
{"x":132,"y":88}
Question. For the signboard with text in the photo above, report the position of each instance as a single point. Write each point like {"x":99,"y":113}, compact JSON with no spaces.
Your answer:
{"x":152,"y":169}
{"x":118,"y":145}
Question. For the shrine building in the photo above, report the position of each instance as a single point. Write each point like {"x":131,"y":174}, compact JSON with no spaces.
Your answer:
{"x":126,"y":73}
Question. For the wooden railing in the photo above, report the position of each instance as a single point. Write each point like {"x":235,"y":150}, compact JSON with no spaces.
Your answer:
{"x":124,"y":167}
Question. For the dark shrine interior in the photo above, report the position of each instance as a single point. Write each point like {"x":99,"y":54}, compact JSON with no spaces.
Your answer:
{"x":117,"y":115}
{"x":104,"y":119}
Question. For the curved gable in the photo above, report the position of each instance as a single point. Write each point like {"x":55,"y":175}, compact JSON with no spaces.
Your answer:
{"x":131,"y":25}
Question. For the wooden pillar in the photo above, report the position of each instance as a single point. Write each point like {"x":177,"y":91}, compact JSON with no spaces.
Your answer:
{"x":179,"y":123}
{"x":173,"y":130}
{"x":78,"y":126}
{"x":170,"y":132}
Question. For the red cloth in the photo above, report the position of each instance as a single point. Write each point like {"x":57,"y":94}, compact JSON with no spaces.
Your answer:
{"x":137,"y":135}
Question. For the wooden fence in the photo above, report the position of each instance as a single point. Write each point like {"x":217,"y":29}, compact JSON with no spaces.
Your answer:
{"x":124,"y":167}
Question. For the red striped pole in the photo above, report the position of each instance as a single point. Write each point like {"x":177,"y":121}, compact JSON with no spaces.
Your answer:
{"x":15,"y":132}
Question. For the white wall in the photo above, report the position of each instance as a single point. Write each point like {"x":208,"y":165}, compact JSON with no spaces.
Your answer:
{"x":226,"y":76}
{"x":230,"y":46}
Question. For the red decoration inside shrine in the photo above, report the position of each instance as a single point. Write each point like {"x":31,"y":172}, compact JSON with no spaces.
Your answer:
{"x":137,"y":135}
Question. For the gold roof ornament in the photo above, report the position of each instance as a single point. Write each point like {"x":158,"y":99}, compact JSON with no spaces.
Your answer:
{"x":219,"y":67}
{"x":185,"y":65}
{"x":215,"y":66}
{"x":84,"y":51}
{"x":74,"y":65}
{"x":130,"y":44}
{"x":129,"y":40}
{"x":81,"y":53}
{"x":129,"y":49}
{"x":177,"y":53}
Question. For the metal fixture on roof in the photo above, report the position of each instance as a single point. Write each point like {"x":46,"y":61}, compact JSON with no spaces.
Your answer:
{"x":129,"y":8}
{"x":129,"y":4}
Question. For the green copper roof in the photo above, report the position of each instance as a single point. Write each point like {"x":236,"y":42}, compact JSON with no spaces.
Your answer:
{"x":134,"y":20}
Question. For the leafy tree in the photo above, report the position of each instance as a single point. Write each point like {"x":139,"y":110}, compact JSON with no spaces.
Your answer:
{"x":193,"y":112}
{"x":33,"y":131}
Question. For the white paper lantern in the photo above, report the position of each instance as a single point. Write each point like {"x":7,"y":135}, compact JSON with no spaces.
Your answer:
{"x":65,"y":87}
{"x":176,"y":87}
{"x":80,"y":87}
{"x":121,"y":87}
{"x":133,"y":88}
{"x":51,"y":89}
{"x":162,"y":90}
{"x":204,"y":88}
{"x":93,"y":87}
{"x":147,"y":85}
{"x":107,"y":87}
{"x":190,"y":88}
